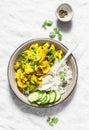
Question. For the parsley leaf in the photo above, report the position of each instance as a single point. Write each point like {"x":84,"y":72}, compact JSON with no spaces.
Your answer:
{"x":47,"y":23}
{"x":59,"y":37}
{"x":52,"y":121}
{"x":56,"y":30}
{"x":52,"y":35}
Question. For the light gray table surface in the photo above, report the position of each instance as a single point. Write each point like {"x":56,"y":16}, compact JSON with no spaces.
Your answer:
{"x":21,"y":20}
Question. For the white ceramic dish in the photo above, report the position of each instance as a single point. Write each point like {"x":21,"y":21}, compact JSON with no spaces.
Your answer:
{"x":65,"y":7}
{"x":11,"y":73}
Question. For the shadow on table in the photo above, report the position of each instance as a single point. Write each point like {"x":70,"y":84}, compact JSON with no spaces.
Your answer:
{"x":64,"y":26}
{"x":41,"y":111}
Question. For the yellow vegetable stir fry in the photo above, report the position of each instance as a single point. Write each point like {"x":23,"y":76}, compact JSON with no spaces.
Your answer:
{"x":33,"y":64}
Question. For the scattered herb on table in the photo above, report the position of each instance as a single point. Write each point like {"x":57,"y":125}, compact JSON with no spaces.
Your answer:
{"x":47,"y":23}
{"x":52,"y":121}
{"x":59,"y":37}
{"x":52,"y":35}
{"x":55,"y":32}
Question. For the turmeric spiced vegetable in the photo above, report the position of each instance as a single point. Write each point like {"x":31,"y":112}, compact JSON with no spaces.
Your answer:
{"x":34,"y":63}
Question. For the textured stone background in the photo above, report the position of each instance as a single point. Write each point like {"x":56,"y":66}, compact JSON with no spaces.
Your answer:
{"x":20,"y":20}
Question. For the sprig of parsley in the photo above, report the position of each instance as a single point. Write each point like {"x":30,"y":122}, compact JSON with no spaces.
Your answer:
{"x":47,"y":23}
{"x":52,"y":121}
{"x":56,"y":32}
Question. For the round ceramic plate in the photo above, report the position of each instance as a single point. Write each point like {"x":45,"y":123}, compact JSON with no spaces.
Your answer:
{"x":11,"y":73}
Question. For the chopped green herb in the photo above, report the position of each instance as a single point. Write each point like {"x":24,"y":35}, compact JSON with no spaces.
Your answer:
{"x":51,"y":63}
{"x":32,"y":82}
{"x":22,"y":65}
{"x":22,"y":54}
{"x":33,"y":65}
{"x":25,"y":60}
{"x":62,"y":75}
{"x":33,"y":49}
{"x":26,"y":88}
{"x":51,"y":52}
{"x":56,"y":30}
{"x":52,"y":35}
{"x":52,"y":121}
{"x":50,"y":57}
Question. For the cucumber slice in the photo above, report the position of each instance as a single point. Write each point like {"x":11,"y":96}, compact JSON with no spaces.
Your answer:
{"x":33,"y":97}
{"x":43,"y":98}
{"x":58,"y":96}
{"x":47,"y":99}
{"x":42,"y":102}
{"x":52,"y":97}
{"x":40,"y":95}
